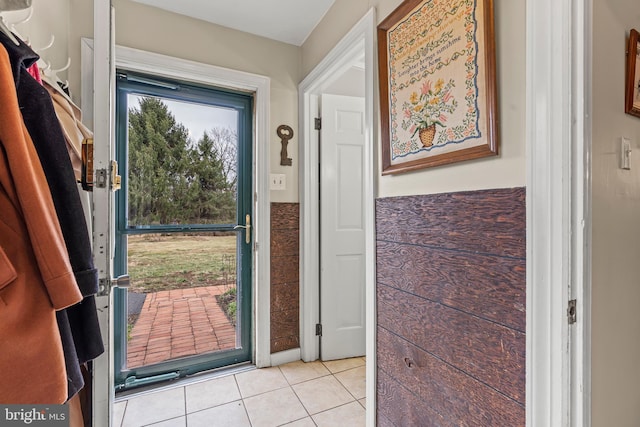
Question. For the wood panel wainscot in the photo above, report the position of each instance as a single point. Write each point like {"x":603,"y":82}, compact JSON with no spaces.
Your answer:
{"x":285,"y":283}
{"x":451,"y":303}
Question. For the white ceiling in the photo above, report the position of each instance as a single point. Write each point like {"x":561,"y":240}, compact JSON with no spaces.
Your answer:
{"x":288,"y":21}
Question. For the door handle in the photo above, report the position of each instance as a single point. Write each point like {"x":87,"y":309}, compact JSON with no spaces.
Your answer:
{"x":121,"y":281}
{"x":247,"y":229}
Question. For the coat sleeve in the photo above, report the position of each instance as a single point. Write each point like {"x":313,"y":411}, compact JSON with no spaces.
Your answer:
{"x":25,"y":182}
{"x":7,"y":272}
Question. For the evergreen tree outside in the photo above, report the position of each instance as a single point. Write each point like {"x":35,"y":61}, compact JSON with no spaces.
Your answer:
{"x":214,"y":187}
{"x":173,"y":179}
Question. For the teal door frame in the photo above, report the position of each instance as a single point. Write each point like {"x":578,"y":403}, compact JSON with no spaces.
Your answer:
{"x":127,"y":83}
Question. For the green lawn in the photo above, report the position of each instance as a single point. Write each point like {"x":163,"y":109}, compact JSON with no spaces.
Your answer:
{"x":158,"y":263}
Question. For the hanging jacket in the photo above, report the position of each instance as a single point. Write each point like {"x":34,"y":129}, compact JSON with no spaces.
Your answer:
{"x":75,"y":133}
{"x":36,"y":277}
{"x":78,"y":325}
{"x":74,"y":130}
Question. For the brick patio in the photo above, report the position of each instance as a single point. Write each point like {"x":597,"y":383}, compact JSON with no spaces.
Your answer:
{"x":179,"y":323}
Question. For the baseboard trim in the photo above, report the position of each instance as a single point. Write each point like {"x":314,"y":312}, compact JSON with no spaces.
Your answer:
{"x":282,"y":357}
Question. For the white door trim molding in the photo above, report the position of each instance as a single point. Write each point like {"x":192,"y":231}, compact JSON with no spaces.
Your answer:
{"x":101,"y":66}
{"x":558,"y":212}
{"x":166,"y":66}
{"x":360,"y":39}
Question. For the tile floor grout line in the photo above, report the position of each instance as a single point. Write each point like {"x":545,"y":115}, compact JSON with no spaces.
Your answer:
{"x":355,"y":399}
{"x":336,"y":407}
{"x":168,"y":419}
{"x":262,"y":393}
{"x":307,"y":380}
{"x":285,"y":377}
{"x":215,"y":406}
{"x":300,"y":400}
{"x":349,"y":391}
{"x":184,"y":391}
{"x":242,"y":399}
{"x":347,"y":369}
{"x":295,"y":421}
{"x":124,"y":413}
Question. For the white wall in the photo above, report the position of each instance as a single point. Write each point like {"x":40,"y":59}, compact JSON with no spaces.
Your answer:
{"x":350,"y":83}
{"x":50,"y":17}
{"x":506,"y":170}
{"x":147,"y":28}
{"x":616,"y":225}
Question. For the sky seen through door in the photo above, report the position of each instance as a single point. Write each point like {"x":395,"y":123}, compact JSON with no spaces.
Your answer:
{"x":196,"y":117}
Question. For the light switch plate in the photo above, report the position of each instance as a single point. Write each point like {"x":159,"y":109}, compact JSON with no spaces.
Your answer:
{"x":278,"y":181}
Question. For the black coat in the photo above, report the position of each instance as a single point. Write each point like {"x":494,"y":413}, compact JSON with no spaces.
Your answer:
{"x":78,"y":324}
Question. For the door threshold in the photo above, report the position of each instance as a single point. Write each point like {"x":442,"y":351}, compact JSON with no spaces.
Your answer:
{"x":182,"y":382}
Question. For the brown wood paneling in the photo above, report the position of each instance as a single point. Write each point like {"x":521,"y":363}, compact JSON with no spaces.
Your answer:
{"x":398,"y":406}
{"x":487,"y":286}
{"x":285,"y":296}
{"x":490,"y":221}
{"x":451,"y":301}
{"x":383,"y":421}
{"x":284,"y":322}
{"x":285,"y":268}
{"x":492,"y":353}
{"x":285,"y":242}
{"x":285,"y":264}
{"x":447,"y":389}
{"x":285,"y":215}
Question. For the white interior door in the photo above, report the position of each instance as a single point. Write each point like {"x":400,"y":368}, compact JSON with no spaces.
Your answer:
{"x":342,"y":231}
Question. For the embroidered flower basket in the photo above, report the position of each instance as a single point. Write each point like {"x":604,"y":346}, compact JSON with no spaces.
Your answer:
{"x":427,"y":135}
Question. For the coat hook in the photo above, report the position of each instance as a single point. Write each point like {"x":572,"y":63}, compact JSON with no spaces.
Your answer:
{"x":67,"y":65}
{"x":22,"y":21}
{"x":53,"y":38}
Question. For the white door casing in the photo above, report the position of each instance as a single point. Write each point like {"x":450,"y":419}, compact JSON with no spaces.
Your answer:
{"x":100,"y":80}
{"x":136,"y":60}
{"x":181,"y":69}
{"x":559,"y":82}
{"x":349,"y":50}
{"x":342,"y":233}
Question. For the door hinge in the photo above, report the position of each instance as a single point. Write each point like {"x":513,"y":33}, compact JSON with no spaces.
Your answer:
{"x":572,"y":315}
{"x":318,"y":329}
{"x":317,"y":123}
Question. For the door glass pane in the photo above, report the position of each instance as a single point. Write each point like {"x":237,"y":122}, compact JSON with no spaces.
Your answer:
{"x":182,"y":162}
{"x":182,"y":299}
{"x":182,"y":169}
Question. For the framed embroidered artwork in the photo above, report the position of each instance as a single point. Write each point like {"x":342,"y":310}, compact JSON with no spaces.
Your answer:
{"x":632,"y":81}
{"x":438,"y":98}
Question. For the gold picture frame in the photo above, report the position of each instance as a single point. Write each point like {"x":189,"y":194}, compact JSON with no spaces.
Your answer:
{"x":438,"y":95}
{"x":632,"y":80}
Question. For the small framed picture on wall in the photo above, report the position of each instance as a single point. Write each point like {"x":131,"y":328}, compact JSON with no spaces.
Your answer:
{"x":632,"y":89}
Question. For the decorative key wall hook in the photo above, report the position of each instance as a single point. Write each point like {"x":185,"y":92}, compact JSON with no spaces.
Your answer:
{"x":285,"y":133}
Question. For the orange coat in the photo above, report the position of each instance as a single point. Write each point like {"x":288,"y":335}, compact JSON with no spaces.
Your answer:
{"x":35,"y":276}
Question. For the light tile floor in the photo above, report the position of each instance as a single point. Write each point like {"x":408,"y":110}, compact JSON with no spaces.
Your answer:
{"x":298,"y":394}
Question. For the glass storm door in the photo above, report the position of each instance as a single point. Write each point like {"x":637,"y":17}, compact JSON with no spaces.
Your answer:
{"x":183,"y":229}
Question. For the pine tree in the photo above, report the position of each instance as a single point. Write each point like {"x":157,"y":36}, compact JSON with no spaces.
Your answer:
{"x":215,"y":199}
{"x":171,"y":178}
